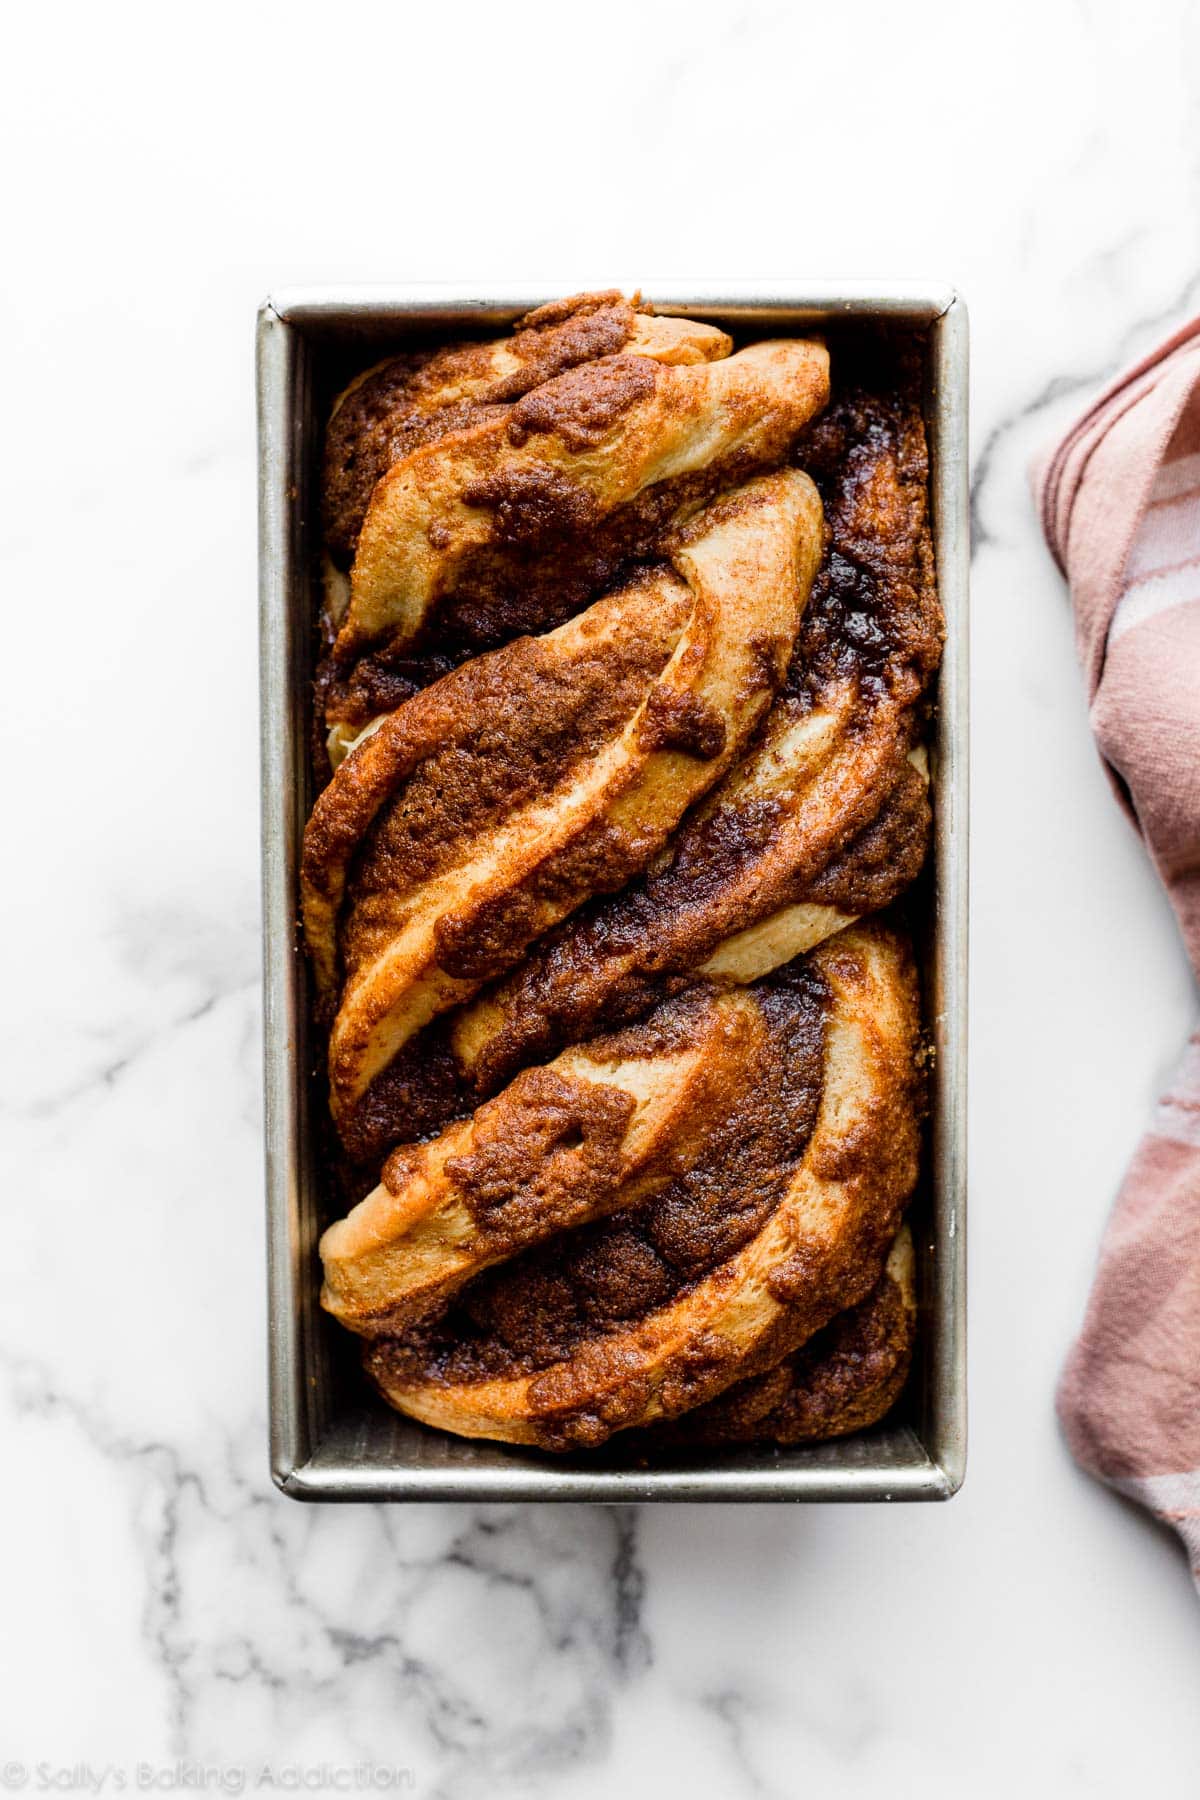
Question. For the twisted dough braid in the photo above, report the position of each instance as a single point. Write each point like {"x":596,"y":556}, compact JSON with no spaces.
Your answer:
{"x":582,"y":907}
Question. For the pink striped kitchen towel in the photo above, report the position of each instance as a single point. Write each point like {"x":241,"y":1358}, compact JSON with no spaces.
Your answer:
{"x":1120,"y":507}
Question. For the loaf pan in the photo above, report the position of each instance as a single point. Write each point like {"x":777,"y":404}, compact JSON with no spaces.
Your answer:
{"x":330,"y":1438}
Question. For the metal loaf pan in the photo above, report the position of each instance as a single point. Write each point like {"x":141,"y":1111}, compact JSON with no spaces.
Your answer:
{"x":330,"y":1439}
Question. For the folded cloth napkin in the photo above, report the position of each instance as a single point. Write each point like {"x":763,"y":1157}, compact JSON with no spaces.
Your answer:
{"x":1120,"y":507}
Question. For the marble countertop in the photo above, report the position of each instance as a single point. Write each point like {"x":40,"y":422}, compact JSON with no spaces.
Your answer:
{"x":165,"y":1612}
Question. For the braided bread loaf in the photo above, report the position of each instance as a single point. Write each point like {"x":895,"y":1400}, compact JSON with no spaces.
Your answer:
{"x":635,"y":1099}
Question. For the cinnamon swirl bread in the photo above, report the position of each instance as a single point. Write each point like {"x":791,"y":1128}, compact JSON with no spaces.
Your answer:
{"x":628,"y":645}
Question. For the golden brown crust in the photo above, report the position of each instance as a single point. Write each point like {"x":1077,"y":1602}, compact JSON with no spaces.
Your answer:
{"x":592,"y":677}
{"x":491,"y":804}
{"x":424,"y":395}
{"x":825,"y":820}
{"x":797,"y":825}
{"x":845,"y":1378}
{"x":598,"y":1131}
{"x":469,"y":516}
{"x":818,"y":1250}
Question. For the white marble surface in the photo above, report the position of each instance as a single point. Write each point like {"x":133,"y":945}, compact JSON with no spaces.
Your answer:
{"x":160,"y":1601}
